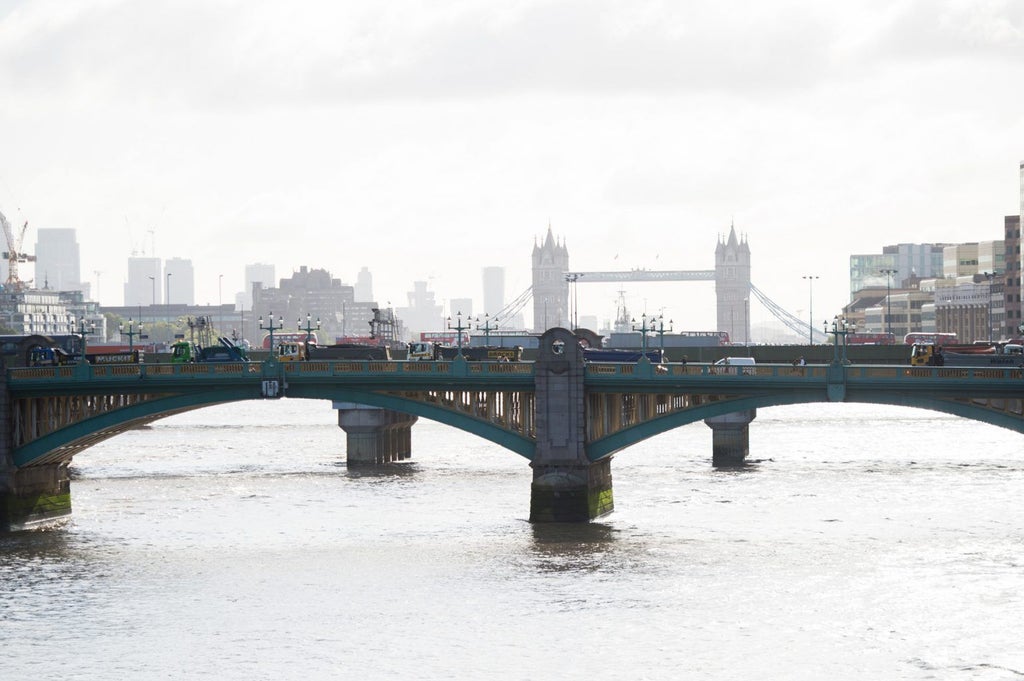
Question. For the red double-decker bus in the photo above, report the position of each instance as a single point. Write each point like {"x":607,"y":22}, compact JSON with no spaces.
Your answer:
{"x":929,"y":338}
{"x":870,"y":339}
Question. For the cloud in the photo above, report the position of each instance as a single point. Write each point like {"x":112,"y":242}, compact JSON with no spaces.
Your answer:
{"x":232,"y":53}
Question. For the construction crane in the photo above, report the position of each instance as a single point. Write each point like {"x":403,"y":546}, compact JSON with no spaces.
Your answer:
{"x":13,"y":253}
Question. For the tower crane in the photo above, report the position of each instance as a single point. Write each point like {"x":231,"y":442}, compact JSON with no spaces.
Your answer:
{"x":13,"y":253}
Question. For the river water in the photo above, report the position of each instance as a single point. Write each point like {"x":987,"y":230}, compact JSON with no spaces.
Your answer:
{"x":867,"y":542}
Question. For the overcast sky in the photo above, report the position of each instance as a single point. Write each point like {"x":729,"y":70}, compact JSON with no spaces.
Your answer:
{"x":426,"y":140}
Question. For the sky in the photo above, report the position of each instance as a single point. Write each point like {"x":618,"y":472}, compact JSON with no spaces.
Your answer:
{"x":427,"y":140}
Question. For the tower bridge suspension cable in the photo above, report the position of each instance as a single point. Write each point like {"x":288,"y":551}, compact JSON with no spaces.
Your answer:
{"x":793,"y":323}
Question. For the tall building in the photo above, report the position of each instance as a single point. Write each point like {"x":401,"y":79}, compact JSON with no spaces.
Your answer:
{"x":494,"y":290}
{"x":145,"y":282}
{"x":550,"y":288}
{"x":181,"y":282}
{"x":364,"y":286}
{"x":316,"y":293}
{"x":58,"y":260}
{"x":1014,"y":321}
{"x":423,"y":312}
{"x":909,"y":260}
{"x":260,"y":274}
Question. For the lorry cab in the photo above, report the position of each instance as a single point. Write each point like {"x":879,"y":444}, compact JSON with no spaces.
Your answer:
{"x":290,"y":351}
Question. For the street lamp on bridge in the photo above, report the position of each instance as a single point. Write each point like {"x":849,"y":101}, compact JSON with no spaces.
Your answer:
{"x":840,"y":328}
{"x":487,"y":328}
{"x":131,"y":332}
{"x":888,"y":298}
{"x":989,"y":276}
{"x":458,"y":329}
{"x":271,"y":327}
{"x":810,"y":306}
{"x":308,"y":328}
{"x":661,"y":331}
{"x":643,"y":329}
{"x":82,"y":331}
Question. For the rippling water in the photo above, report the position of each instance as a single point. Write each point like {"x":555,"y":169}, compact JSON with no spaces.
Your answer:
{"x":866,"y":543}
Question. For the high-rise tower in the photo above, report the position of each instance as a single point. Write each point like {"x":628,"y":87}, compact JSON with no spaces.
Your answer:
{"x":550,"y":289}
{"x":732,"y":287}
{"x":58,"y":263}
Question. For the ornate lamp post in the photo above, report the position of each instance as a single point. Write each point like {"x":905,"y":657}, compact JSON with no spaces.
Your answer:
{"x":458,"y":328}
{"x":82,"y":331}
{"x":989,"y":276}
{"x":572,"y":278}
{"x":661,"y":331}
{"x":271,"y":327}
{"x":810,"y":306}
{"x":131,"y":333}
{"x":888,"y":299}
{"x":308,"y":328}
{"x":840,"y":328}
{"x":643,"y":329}
{"x":487,"y":328}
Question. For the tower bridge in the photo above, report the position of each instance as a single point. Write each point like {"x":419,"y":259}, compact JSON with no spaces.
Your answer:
{"x":734,"y":291}
{"x":565,"y":417}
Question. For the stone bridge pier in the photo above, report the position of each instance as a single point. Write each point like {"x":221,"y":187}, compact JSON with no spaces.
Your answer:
{"x":567,"y":486}
{"x":730,"y":437}
{"x":33,"y":496}
{"x":374,"y":436}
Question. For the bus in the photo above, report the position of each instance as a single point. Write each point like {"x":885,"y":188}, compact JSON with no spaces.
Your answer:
{"x":289,"y":337}
{"x":870,"y":339}
{"x":929,"y":338}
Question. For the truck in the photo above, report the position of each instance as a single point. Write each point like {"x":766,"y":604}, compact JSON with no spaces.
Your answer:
{"x":292,"y":351}
{"x":997,"y":355}
{"x":426,"y":351}
{"x":226,"y":350}
{"x":55,"y":356}
{"x":49,"y":357}
{"x":621,"y":356}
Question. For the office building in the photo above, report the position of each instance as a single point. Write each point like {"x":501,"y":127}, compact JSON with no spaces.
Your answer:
{"x":145,"y":282}
{"x":494,"y":290}
{"x":180,"y":282}
{"x":58,"y":261}
{"x":364,"y":286}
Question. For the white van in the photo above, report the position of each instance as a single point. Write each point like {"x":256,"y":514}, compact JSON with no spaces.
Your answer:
{"x":734,"y":362}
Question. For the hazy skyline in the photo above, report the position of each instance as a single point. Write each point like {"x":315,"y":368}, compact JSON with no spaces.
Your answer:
{"x":427,"y":141}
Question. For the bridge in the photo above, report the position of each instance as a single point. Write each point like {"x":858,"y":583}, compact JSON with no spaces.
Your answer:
{"x":566,"y":418}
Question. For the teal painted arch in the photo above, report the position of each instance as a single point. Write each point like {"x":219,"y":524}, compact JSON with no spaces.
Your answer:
{"x":606,"y":446}
{"x":62,"y":444}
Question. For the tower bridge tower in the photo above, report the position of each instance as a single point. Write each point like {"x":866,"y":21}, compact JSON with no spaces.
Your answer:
{"x":550,"y":288}
{"x":732,"y":287}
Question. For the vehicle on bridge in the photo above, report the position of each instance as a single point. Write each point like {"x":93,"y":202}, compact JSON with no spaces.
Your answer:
{"x":621,"y":356}
{"x":870,"y":339}
{"x":996,"y":355}
{"x":288,"y":337}
{"x":929,"y":338}
{"x":292,"y":351}
{"x":226,"y":350}
{"x":49,"y":357}
{"x":435,"y":352}
{"x":742,"y":365}
{"x":57,"y":356}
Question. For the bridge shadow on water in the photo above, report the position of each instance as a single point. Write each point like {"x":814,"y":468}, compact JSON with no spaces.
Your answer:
{"x":571,"y":547}
{"x":384,"y":471}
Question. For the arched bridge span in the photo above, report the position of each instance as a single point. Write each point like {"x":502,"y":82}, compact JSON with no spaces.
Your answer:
{"x":565,"y":416}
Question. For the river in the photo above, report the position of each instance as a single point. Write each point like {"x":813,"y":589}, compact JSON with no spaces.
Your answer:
{"x":865,"y":542}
